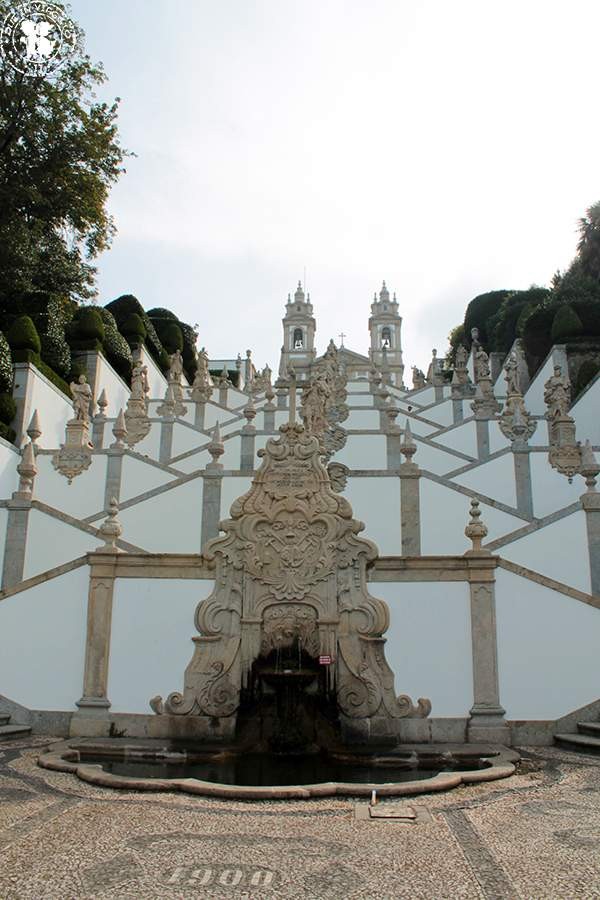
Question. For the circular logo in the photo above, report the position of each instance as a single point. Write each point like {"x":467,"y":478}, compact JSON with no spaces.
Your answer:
{"x":36,"y":37}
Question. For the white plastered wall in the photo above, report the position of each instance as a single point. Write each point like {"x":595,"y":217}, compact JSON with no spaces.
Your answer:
{"x":444,"y":515}
{"x":53,"y":408}
{"x":463,"y":438}
{"x":43,"y":642}
{"x":138,"y":477}
{"x":547,"y":650}
{"x":376,"y":502}
{"x":585,"y":413}
{"x":151,"y":642}
{"x":550,"y":489}
{"x":117,"y":392}
{"x":168,"y":522}
{"x":559,"y":550}
{"x":363,"y":451}
{"x":232,"y":488}
{"x":495,"y":478}
{"x":83,"y":497}
{"x":51,"y":542}
{"x":439,"y":667}
{"x":156,"y":380}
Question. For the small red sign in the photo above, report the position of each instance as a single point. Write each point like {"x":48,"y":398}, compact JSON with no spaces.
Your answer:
{"x":325,"y":660}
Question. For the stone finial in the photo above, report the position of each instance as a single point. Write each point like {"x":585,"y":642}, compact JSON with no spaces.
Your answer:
{"x":589,"y":467}
{"x":111,"y":529}
{"x":476,"y":531}
{"x":119,"y":431}
{"x":392,"y":413}
{"x":216,"y":448}
{"x":102,"y":403}
{"x":27,"y":470}
{"x":167,"y":408}
{"x":34,"y":431}
{"x":249,"y":412}
{"x":408,"y":448}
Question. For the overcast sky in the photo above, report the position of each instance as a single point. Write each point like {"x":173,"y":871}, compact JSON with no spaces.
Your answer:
{"x":448,"y":147}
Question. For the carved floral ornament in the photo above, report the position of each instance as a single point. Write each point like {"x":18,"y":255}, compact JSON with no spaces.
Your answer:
{"x":291,"y":567}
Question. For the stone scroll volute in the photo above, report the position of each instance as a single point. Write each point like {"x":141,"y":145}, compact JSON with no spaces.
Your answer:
{"x":291,"y":564}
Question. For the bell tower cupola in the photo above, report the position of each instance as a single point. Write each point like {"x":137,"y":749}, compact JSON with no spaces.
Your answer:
{"x":385,"y":326}
{"x":299,"y":329}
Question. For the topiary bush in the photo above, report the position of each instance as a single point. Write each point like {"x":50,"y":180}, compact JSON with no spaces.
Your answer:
{"x":503,"y":327}
{"x":588,"y":370}
{"x":118,"y":351}
{"x":22,"y":336}
{"x":537,"y":339}
{"x":565,"y":324}
{"x":478,"y":313}
{"x":6,"y":365}
{"x":9,"y":434}
{"x":133,"y":330}
{"x":8,"y":408}
{"x":122,"y":308}
{"x":172,"y":338}
{"x":86,"y":331}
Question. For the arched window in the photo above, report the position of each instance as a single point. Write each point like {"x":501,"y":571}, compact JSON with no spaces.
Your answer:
{"x":386,"y":337}
{"x":298,"y":341}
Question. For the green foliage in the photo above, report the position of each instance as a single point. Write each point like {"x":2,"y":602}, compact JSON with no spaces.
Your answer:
{"x":190,"y":362}
{"x":8,"y":408}
{"x":159,"y":313}
{"x":575,"y":286}
{"x":88,"y":324}
{"x":59,"y":156}
{"x":588,"y":370}
{"x":588,"y":248}
{"x":478,"y":313}
{"x":504,"y":326}
{"x":565,"y":324}
{"x":6,"y":369}
{"x":22,"y":335}
{"x":9,"y":434}
{"x":536,"y":335}
{"x":78,"y":368}
{"x":116,"y":347}
{"x":123,"y":307}
{"x":172,"y":338}
{"x":455,"y":339}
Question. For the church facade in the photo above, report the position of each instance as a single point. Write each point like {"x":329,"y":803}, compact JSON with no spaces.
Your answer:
{"x":125,"y":523}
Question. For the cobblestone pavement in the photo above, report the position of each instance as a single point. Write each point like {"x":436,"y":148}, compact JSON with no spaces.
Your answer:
{"x":535,"y":835}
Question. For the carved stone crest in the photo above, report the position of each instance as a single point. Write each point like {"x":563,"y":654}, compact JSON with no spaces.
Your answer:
{"x":291,"y":567}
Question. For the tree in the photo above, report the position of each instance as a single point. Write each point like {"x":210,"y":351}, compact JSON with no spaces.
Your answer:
{"x":479,"y":311}
{"x":588,"y":248}
{"x":59,"y":156}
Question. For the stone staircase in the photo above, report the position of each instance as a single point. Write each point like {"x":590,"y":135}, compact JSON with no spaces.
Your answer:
{"x":8,"y":731}
{"x":587,"y":738}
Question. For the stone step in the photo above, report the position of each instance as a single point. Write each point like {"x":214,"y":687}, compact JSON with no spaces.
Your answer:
{"x":8,"y":731}
{"x":579,"y":742}
{"x":592,"y":728}
{"x":4,"y":718}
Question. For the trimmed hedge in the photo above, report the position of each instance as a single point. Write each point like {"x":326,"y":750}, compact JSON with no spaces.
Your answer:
{"x":565,"y":324}
{"x":22,"y":335}
{"x":479,"y":312}
{"x":172,"y":338}
{"x":588,"y":370}
{"x":9,"y":434}
{"x":8,"y":408}
{"x":123,"y":307}
{"x":6,"y":365}
{"x":118,"y":351}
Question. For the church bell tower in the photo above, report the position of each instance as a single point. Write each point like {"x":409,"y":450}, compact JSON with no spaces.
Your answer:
{"x":385,"y":327}
{"x":299,"y":328}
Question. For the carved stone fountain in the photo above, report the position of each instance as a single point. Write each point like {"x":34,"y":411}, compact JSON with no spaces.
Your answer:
{"x":290,"y":583}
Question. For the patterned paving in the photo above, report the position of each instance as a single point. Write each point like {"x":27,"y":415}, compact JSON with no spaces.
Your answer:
{"x":535,"y":835}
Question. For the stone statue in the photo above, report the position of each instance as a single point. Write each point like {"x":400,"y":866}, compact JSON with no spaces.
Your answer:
{"x":557,"y":394}
{"x":482,"y":364}
{"x":82,"y":397}
{"x":314,"y":406}
{"x":511,"y":375}
{"x":461,"y":357}
{"x":176,"y":366}
{"x":418,"y":378}
{"x":139,"y":382}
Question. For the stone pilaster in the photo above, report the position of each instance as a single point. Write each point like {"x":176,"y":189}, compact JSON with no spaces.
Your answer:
{"x":16,"y":542}
{"x":114,"y":471}
{"x":394,"y":456}
{"x":590,"y":502}
{"x":166,"y":440}
{"x":19,"y":506}
{"x":248,"y":448}
{"x":22,"y":394}
{"x":486,"y":724}
{"x":522,"y":463}
{"x":200,"y":414}
{"x":410,"y":501}
{"x":482,"y":428}
{"x":211,"y":505}
{"x":269,"y":418}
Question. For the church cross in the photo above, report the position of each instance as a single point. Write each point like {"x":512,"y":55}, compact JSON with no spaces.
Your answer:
{"x":341,"y":337}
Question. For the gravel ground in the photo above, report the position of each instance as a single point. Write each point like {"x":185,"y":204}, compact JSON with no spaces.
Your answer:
{"x":535,"y":835}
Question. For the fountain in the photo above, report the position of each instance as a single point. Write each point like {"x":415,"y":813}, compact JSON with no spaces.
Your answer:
{"x":288,"y":692}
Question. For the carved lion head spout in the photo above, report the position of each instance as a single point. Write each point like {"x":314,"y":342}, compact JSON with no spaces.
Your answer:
{"x":289,"y":625}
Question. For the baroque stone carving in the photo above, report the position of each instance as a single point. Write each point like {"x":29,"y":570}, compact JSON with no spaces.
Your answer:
{"x":137,"y":422}
{"x":323,"y":405}
{"x":174,"y":378}
{"x":564,"y":454}
{"x":291,"y":567}
{"x":515,"y":422}
{"x":82,"y":398}
{"x":418,"y":379}
{"x":75,"y":455}
{"x":203,"y":383}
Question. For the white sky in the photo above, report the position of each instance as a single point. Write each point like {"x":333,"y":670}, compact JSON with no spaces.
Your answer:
{"x":448,"y":146}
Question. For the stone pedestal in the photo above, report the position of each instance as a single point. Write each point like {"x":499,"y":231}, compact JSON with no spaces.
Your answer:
{"x":75,"y":455}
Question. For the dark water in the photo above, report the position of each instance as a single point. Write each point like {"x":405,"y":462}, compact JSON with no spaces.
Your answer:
{"x":261,"y":770}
